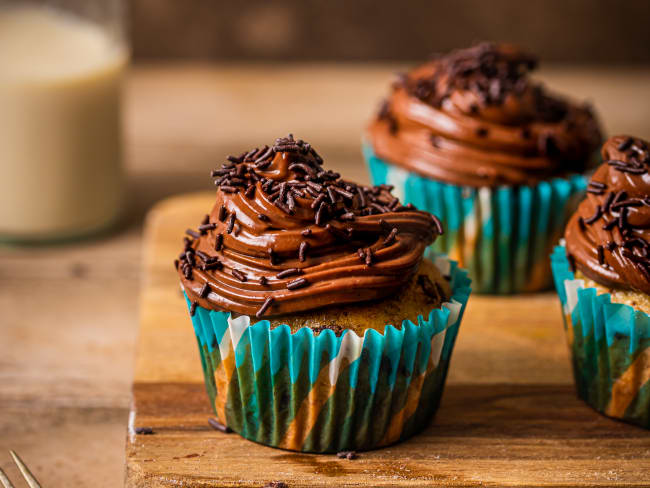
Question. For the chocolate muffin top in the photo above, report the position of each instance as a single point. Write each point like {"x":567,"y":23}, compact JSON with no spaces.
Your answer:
{"x":286,"y":235}
{"x":474,"y":117}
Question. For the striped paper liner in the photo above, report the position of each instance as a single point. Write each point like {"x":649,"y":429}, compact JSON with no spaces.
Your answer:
{"x":502,"y":236}
{"x":609,"y":345}
{"x":323,"y":393}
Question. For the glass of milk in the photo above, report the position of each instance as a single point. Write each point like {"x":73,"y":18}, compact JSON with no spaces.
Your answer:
{"x":61,"y":66}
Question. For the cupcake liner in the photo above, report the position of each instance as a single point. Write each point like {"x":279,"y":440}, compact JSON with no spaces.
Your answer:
{"x":323,"y":393}
{"x":503,"y":235}
{"x":609,"y":344}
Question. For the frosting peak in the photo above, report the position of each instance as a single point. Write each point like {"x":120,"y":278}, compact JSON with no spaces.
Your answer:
{"x":286,"y":235}
{"x":474,"y":117}
{"x":608,"y":238}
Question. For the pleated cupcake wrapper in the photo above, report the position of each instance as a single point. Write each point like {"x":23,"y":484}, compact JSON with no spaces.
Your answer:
{"x":609,"y":344}
{"x":502,"y":236}
{"x":323,"y":393}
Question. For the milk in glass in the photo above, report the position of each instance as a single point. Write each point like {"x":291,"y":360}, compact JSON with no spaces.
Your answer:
{"x":60,"y":152}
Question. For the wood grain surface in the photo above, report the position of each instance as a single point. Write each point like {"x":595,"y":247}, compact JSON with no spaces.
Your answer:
{"x":509,"y":415}
{"x":384,"y":30}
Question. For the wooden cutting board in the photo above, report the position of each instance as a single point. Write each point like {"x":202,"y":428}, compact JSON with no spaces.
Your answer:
{"x":509,"y":415}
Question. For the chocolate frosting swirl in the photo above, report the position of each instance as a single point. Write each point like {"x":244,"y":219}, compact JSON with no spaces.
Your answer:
{"x":474,"y":117}
{"x":285,"y":235}
{"x":608,"y":238}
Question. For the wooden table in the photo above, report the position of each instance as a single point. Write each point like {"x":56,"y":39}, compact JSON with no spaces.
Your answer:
{"x":68,"y":314}
{"x":508,"y":418}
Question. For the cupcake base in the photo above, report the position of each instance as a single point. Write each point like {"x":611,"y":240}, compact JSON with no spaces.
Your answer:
{"x":322,"y":393}
{"x":408,"y":303}
{"x":502,"y":236}
{"x":609,"y":345}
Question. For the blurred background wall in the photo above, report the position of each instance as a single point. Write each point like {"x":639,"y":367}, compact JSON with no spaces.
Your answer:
{"x":582,"y":31}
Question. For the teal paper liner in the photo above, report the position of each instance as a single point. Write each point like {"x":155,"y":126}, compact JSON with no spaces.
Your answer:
{"x":323,"y":393}
{"x":502,"y":236}
{"x":609,"y":345}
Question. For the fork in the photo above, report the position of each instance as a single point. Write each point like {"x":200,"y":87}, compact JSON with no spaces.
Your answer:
{"x":24,"y":470}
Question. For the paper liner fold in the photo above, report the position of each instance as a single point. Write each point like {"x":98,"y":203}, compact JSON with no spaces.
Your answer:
{"x":502,"y":236}
{"x":323,"y":393}
{"x":609,"y":344}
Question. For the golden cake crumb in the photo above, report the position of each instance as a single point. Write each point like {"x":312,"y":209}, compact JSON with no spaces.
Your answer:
{"x":635,"y":299}
{"x":407,"y":304}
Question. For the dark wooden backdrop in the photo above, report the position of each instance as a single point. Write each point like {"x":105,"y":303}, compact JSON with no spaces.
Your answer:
{"x":558,"y":30}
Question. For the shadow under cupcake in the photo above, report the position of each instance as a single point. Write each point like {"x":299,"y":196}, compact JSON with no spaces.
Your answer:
{"x":602,"y":276}
{"x":321,"y":326}
{"x":471,"y":138}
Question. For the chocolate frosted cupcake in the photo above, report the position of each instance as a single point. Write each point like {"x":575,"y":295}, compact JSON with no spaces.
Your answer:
{"x":470,"y":137}
{"x":603,"y":279}
{"x":321,"y":326}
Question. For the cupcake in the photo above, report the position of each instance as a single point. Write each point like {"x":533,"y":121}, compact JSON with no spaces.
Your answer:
{"x":471,"y":138}
{"x":602,"y":275}
{"x":321,"y":326}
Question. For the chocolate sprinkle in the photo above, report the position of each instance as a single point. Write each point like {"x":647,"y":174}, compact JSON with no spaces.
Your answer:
{"x":216,"y":425}
{"x":218,"y":242}
{"x":361,"y":253}
{"x":222,"y":213}
{"x":597,"y":184}
{"x":302,"y":251}
{"x":390,"y":238}
{"x":212,"y":265}
{"x":276,"y":484}
{"x":144,"y":431}
{"x":239,"y":275}
{"x":231,"y":223}
{"x":192,"y":233}
{"x":193,"y":308}
{"x":205,"y":290}
{"x":289,"y":272}
{"x":205,"y":227}
{"x":267,"y":303}
{"x":368,"y":257}
{"x":187,"y":272}
{"x":250,"y":191}
{"x":299,"y":283}
{"x":349,"y":455}
{"x":320,"y":215}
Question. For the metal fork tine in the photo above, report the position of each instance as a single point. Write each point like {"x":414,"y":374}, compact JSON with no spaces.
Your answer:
{"x":4,"y":480}
{"x":29,"y":477}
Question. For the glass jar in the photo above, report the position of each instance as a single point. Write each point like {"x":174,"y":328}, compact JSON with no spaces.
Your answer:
{"x":61,"y":70}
